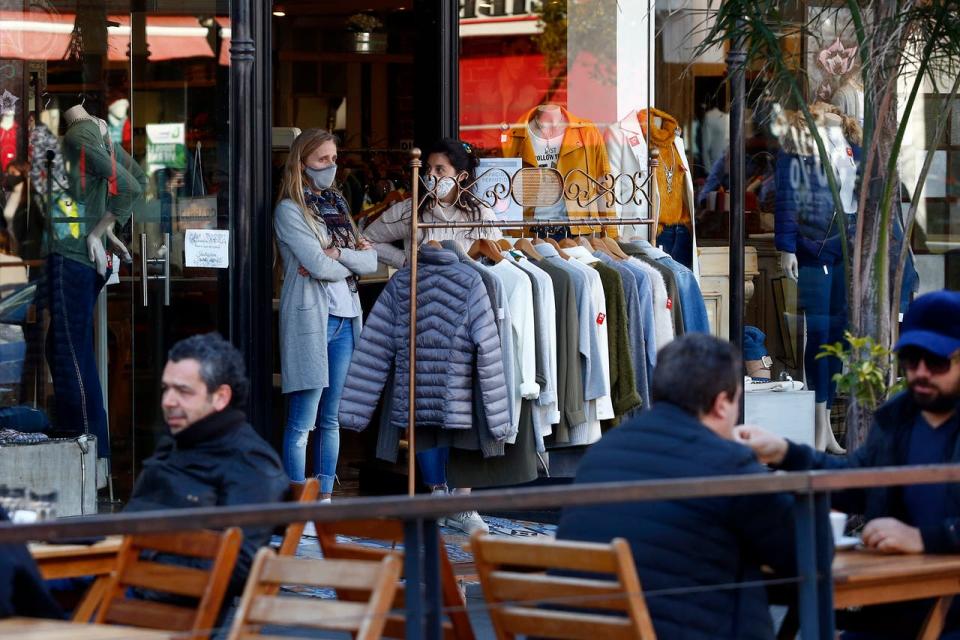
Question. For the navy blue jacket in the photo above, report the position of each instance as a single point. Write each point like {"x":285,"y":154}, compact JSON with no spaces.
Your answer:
{"x":804,"y":220}
{"x":22,"y":589}
{"x":688,"y":544}
{"x":886,"y":445}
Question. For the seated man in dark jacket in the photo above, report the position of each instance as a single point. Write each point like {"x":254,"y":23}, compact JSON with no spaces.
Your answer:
{"x":700,"y":547}
{"x":918,"y":426}
{"x":213,"y":456}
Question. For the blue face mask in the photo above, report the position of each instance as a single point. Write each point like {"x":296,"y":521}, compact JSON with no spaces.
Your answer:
{"x":321,"y":178}
{"x":442,"y":188}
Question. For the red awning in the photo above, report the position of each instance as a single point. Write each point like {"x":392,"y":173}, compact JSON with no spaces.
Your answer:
{"x":37,"y":35}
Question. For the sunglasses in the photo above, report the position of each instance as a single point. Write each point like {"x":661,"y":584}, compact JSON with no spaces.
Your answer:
{"x":910,"y":359}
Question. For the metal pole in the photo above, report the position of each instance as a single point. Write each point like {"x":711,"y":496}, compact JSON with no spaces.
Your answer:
{"x":411,"y":403}
{"x":805,"y":527}
{"x":523,"y":224}
{"x":431,"y":578}
{"x":413,"y":577}
{"x":736,"y":60}
{"x":824,"y":538}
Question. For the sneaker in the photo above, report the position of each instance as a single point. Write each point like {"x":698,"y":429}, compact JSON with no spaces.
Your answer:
{"x":467,"y":522}
{"x":310,"y":530}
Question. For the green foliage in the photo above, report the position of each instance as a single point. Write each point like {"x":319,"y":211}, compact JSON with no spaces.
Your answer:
{"x":866,"y":369}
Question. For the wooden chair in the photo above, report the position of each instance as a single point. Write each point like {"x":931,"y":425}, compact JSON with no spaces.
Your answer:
{"x":208,"y":586}
{"x":365,"y":620}
{"x":517,"y":587}
{"x":456,"y":625}
{"x":300,"y":492}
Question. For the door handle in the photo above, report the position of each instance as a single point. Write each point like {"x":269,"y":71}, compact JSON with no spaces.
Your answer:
{"x":145,"y":262}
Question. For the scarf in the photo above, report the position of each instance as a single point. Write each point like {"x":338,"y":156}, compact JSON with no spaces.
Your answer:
{"x":330,"y":209}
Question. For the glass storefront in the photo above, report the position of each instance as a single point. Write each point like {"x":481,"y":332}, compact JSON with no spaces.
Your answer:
{"x":117,"y":108}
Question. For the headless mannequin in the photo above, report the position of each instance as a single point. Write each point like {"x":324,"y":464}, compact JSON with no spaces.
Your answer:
{"x":8,"y":136}
{"x":547,"y":128}
{"x":97,"y":253}
{"x":830,"y":128}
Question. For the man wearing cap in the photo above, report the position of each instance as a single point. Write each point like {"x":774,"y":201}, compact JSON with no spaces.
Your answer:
{"x":918,"y":426}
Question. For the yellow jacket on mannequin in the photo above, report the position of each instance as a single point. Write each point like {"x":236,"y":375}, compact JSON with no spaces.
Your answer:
{"x":582,"y":148}
{"x":628,"y":153}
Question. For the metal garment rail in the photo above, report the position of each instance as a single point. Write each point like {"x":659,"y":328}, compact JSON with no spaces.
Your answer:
{"x":421,"y":534}
{"x":810,"y":488}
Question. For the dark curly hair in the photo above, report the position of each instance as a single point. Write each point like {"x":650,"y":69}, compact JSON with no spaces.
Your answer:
{"x":462,"y":157}
{"x":220,"y":363}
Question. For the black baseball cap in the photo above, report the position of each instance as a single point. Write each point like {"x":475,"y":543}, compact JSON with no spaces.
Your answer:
{"x":932,"y":323}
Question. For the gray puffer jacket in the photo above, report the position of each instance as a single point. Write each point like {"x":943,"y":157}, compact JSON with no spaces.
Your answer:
{"x":456,"y":340}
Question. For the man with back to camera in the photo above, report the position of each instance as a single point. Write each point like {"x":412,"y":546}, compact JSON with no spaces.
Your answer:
{"x":701,"y":546}
{"x":918,"y":426}
{"x":213,"y":456}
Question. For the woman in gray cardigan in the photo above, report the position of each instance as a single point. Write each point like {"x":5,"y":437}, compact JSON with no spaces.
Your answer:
{"x":320,"y":315}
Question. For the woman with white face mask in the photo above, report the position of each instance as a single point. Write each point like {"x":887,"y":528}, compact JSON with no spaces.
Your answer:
{"x":450,"y":168}
{"x":320,"y":315}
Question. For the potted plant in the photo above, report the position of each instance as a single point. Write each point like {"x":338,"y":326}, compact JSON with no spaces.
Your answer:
{"x":365,"y":33}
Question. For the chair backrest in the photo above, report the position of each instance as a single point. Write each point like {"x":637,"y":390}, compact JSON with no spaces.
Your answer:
{"x":561,"y":589}
{"x":262,"y":606}
{"x":456,"y":626}
{"x":300,"y":492}
{"x":182,"y":598}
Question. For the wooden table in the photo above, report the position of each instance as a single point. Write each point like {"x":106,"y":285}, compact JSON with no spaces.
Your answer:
{"x":39,"y":629}
{"x":863,"y":578}
{"x":77,"y":561}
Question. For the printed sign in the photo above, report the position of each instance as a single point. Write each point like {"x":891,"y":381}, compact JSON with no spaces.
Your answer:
{"x":494,"y":176}
{"x":166,"y":146}
{"x":207,"y":248}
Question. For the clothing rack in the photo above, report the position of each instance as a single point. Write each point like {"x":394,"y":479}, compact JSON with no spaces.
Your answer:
{"x":415,"y":226}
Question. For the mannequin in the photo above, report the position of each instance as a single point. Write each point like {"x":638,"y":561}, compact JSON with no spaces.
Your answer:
{"x":9,"y":131}
{"x":716,"y":136}
{"x":103,"y":185}
{"x":674,"y":187}
{"x":580,"y":148}
{"x":807,"y":234}
{"x":119,"y":123}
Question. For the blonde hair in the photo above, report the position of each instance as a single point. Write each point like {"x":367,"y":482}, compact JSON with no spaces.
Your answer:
{"x":293,"y":182}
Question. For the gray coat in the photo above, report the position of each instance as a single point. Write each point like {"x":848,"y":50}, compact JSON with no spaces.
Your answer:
{"x":303,"y":299}
{"x":456,"y":341}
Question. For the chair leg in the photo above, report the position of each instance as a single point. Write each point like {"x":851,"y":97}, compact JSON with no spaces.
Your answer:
{"x":91,"y":600}
{"x":933,"y":625}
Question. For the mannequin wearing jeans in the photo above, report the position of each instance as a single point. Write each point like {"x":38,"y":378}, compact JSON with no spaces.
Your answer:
{"x":104,"y":185}
{"x":318,"y":408}
{"x":808,"y":235}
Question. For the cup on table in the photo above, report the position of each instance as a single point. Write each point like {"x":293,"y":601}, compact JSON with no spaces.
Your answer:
{"x":838,"y":521}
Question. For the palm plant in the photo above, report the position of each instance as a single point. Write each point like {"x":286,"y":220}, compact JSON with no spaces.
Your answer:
{"x":895,"y":39}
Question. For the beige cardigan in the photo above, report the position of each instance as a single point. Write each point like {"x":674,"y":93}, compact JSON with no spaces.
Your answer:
{"x":394,"y":225}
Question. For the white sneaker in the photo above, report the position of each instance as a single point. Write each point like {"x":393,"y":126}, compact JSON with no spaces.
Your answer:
{"x":310,"y":530}
{"x":468,"y":522}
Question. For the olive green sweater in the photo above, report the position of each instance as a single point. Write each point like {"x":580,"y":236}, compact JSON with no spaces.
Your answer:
{"x":102,"y":178}
{"x":623,"y":385}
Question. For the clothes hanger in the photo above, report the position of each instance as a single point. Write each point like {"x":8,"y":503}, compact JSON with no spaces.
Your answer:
{"x":556,"y":245}
{"x":584,"y":241}
{"x":567,"y":243}
{"x":486,"y":249}
{"x":524,"y":245}
{"x":613,"y":248}
{"x":504,"y":244}
{"x":434,"y":244}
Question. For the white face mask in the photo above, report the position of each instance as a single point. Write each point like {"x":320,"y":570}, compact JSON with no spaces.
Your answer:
{"x":322,"y":178}
{"x":441,"y":189}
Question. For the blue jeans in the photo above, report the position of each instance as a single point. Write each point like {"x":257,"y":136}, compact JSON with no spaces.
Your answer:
{"x":73,"y":289}
{"x":433,"y":466}
{"x":823,"y":299}
{"x":678,"y":242}
{"x":311,"y":408}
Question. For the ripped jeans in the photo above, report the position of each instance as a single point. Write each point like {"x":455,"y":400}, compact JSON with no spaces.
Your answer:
{"x":319,"y":408}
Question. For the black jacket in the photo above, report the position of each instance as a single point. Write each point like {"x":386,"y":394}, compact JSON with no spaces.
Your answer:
{"x":22,"y":589}
{"x":703,"y":546}
{"x":886,"y":446}
{"x":217,"y":461}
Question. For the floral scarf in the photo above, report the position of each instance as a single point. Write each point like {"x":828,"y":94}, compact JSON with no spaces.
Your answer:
{"x":330,"y":209}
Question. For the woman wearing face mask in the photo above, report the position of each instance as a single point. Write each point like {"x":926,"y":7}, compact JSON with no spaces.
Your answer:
{"x":450,"y":164}
{"x":320,"y":316}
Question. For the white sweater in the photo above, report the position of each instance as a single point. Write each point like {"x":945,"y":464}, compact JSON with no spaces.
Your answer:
{"x":394,"y":224}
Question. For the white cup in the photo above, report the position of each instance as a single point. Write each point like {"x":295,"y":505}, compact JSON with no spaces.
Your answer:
{"x":837,"y":523}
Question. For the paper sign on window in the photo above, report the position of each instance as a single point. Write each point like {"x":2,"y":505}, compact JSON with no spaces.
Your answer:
{"x":207,"y":248}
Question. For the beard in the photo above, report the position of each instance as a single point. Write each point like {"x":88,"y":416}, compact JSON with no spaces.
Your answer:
{"x":933,"y":399}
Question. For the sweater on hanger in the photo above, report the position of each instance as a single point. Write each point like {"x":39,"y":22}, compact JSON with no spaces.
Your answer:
{"x":623,"y":391}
